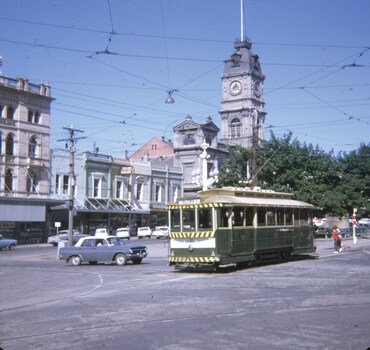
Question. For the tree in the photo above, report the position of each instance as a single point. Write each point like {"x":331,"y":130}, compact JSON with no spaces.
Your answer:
{"x":356,"y":179}
{"x":233,"y":171}
{"x":333,"y":184}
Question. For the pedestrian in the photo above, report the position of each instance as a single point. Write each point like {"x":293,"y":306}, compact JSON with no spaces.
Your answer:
{"x":336,"y":239}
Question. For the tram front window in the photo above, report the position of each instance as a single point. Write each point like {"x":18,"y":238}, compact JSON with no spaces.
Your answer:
{"x":175,"y":220}
{"x":188,"y":219}
{"x":205,"y":219}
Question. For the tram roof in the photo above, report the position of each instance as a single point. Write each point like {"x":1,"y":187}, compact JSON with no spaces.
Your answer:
{"x":257,"y":201}
{"x":219,"y":197}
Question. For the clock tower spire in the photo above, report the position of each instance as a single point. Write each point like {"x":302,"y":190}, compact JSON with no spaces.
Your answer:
{"x":242,"y":104}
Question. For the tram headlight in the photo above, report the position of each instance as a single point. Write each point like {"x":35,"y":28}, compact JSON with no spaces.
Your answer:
{"x":190,"y":248}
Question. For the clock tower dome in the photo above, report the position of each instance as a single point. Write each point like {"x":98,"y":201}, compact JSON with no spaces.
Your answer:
{"x":242,"y":104}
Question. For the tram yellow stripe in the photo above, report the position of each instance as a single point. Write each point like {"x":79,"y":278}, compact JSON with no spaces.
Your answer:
{"x":200,"y":234}
{"x":195,"y":260}
{"x":193,"y":206}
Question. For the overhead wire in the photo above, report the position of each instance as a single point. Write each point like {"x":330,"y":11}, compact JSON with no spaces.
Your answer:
{"x":198,"y":39}
{"x":304,"y":88}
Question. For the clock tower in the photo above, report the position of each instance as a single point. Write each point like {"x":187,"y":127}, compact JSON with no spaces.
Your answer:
{"x":242,"y":104}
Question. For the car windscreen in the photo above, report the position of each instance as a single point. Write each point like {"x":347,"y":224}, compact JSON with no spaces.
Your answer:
{"x":115,"y":241}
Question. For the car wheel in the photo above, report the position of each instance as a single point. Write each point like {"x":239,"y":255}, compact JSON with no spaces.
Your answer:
{"x":121,"y":259}
{"x":137,"y":261}
{"x":75,"y":260}
{"x":12,"y":246}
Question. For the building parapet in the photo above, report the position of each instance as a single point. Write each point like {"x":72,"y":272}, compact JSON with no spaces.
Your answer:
{"x":25,"y":195}
{"x":24,"y":85}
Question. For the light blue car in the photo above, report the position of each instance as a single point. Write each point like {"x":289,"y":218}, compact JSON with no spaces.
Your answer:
{"x":6,"y":243}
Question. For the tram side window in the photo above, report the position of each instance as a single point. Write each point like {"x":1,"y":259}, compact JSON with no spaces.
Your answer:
{"x":296,"y":217}
{"x":303,"y":217}
{"x":188,"y":219}
{"x":261,"y":217}
{"x":223,"y":217}
{"x":205,"y":219}
{"x":238,"y":216}
{"x":175,"y":220}
{"x":270,"y":216}
{"x":249,"y":217}
{"x":288,"y":216}
{"x":280,"y":216}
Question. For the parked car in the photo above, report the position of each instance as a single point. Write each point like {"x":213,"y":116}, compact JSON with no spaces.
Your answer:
{"x":101,"y":232}
{"x":7,"y":243}
{"x":144,"y":232}
{"x":319,"y":222}
{"x":161,"y":232}
{"x":63,"y":236}
{"x":123,"y":232}
{"x":109,"y":249}
{"x":364,"y":221}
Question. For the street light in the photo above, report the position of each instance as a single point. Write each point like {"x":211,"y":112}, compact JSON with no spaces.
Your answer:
{"x":169,"y":98}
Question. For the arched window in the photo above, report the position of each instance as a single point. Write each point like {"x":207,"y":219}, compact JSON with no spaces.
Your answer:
{"x":8,"y":181}
{"x":9,"y":112}
{"x":32,"y":147}
{"x":31,"y":182}
{"x":9,"y":145}
{"x":175,"y":193}
{"x":189,"y":141}
{"x":140,"y":188}
{"x":235,"y":126}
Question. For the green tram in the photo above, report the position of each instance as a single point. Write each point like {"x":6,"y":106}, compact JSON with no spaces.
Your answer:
{"x":238,"y":226}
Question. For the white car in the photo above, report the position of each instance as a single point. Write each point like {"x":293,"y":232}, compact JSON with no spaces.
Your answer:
{"x":161,"y":231}
{"x":63,"y":236}
{"x":123,"y":232}
{"x":364,"y":221}
{"x":144,"y":232}
{"x":318,"y":222}
{"x":101,"y":233}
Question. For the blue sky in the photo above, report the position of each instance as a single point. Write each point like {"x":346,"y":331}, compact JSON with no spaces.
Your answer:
{"x":315,"y":56}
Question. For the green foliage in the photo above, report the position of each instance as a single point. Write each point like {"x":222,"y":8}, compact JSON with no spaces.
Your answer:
{"x":233,"y":171}
{"x":334,"y":184}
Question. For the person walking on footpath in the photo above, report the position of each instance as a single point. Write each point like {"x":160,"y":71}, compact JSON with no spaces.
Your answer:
{"x":336,"y":239}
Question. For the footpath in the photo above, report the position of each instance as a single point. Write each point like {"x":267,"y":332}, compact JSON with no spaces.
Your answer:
{"x":325,"y":247}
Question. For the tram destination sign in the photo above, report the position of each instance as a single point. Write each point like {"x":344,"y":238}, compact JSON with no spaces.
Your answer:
{"x":189,"y":201}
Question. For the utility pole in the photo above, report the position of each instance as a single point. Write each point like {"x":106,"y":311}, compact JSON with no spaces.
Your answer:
{"x":255,"y":139}
{"x":72,"y":179}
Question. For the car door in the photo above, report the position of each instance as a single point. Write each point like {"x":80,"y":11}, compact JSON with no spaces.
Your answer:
{"x":88,"y":250}
{"x":102,"y":251}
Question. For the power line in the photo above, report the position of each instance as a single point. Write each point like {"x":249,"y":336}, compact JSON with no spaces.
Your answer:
{"x":82,"y":29}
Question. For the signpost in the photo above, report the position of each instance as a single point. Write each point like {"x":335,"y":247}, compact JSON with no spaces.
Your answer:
{"x":354,"y":223}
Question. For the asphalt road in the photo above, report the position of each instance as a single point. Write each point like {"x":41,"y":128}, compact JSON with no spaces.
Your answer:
{"x":309,"y":303}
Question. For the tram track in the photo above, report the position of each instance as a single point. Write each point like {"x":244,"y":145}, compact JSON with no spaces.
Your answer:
{"x":343,"y":307}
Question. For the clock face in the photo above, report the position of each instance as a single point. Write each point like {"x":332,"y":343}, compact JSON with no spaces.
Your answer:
{"x":235,"y":87}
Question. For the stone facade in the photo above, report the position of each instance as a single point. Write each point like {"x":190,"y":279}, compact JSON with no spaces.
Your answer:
{"x":113,"y":192}
{"x":242,"y":104}
{"x":24,"y":158}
